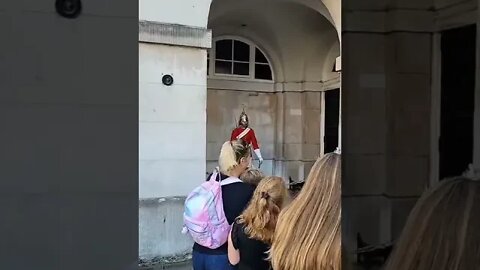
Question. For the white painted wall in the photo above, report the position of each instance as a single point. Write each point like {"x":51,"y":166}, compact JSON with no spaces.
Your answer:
{"x":172,"y":120}
{"x":184,"y":12}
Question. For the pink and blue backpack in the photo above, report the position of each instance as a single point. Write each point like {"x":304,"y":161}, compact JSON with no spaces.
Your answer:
{"x":204,"y":218}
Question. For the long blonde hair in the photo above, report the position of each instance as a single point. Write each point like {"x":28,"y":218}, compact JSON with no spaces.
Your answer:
{"x":308,"y":233}
{"x":260,"y":217}
{"x":231,"y":154}
{"x":442,"y":231}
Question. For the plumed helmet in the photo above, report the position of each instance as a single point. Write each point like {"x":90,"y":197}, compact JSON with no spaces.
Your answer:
{"x":243,"y":120}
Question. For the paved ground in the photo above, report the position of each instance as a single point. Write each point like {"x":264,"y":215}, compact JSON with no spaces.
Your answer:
{"x":185,"y":266}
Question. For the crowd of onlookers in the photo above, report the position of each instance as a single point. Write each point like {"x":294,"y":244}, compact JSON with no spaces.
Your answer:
{"x":270,"y":230}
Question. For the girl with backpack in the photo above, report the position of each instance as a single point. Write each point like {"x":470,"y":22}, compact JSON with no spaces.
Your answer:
{"x":209,"y":219}
{"x":252,"y":232}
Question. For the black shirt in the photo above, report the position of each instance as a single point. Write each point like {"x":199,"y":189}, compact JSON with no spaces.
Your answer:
{"x":252,"y":252}
{"x":235,"y":197}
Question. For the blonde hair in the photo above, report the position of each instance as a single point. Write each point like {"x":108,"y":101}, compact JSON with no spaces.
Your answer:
{"x":252,"y":176}
{"x":260,"y":216}
{"x":442,"y":230}
{"x":308,"y":234}
{"x":231,"y":154}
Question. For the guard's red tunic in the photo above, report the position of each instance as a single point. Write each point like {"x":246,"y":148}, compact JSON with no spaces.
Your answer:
{"x":249,"y":137}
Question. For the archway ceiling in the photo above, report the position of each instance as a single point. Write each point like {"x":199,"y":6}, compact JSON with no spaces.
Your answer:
{"x":290,"y":33}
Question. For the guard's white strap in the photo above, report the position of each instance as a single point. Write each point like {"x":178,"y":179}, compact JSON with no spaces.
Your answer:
{"x":244,"y":132}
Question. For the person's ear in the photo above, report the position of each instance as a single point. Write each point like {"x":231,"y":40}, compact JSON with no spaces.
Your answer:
{"x":242,"y":160}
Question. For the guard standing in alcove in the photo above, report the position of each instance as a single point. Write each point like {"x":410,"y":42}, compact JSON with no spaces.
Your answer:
{"x":244,"y":132}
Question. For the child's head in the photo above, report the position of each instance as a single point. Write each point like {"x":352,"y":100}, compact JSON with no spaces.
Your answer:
{"x":260,"y":217}
{"x":252,"y":176}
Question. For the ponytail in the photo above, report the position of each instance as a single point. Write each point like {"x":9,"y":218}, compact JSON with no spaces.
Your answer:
{"x":227,"y":160}
{"x":231,"y":154}
{"x":260,"y":217}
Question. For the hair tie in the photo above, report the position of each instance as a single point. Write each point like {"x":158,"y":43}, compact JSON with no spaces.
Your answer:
{"x":265,"y":195}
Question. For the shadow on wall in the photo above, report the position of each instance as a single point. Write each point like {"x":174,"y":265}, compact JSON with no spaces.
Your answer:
{"x":161,"y":242}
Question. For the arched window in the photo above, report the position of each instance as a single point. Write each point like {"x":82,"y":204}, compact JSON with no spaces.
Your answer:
{"x":235,"y":58}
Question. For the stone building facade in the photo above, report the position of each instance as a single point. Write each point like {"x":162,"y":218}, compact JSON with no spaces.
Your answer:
{"x":395,"y":114}
{"x":276,"y":59}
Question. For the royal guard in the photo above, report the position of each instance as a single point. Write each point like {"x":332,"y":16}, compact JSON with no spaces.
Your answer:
{"x":247,"y":134}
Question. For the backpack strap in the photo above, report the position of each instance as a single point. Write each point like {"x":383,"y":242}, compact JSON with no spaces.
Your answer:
{"x":244,"y":132}
{"x":214,"y":175}
{"x":230,"y":180}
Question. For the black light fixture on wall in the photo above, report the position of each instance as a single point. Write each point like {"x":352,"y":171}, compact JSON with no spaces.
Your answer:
{"x":68,"y":8}
{"x":167,"y":80}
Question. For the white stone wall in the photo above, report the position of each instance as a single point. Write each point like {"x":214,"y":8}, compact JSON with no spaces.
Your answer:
{"x":172,"y":120}
{"x":183,"y":12}
{"x":160,"y":226}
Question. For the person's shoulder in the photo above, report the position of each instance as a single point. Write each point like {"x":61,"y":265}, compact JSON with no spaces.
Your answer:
{"x":243,"y":185}
{"x":245,"y":190}
{"x":240,"y":189}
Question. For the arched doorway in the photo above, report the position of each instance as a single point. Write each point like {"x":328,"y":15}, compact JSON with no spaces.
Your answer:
{"x":298,"y":46}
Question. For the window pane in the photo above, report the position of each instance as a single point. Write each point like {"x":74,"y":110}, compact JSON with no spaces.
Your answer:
{"x":208,"y":66}
{"x":241,"y":69}
{"x":223,"y":67}
{"x":224,"y":49}
{"x":241,"y":51}
{"x":259,"y":57}
{"x":263,"y":72}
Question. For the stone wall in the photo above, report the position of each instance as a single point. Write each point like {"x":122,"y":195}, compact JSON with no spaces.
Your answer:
{"x":386,"y":115}
{"x":287,"y":125}
{"x":224,"y":108}
{"x":172,"y":133}
{"x":160,"y":226}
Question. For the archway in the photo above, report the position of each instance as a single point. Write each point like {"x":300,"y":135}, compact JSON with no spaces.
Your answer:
{"x":301,"y":42}
{"x":298,"y":43}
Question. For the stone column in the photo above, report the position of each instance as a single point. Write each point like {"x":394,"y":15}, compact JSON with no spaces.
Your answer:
{"x":298,"y":130}
{"x":386,"y":112}
{"x":293,"y":135}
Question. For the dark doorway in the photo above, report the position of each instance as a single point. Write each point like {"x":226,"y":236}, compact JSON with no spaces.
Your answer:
{"x":332,"y":110}
{"x":457,"y":100}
